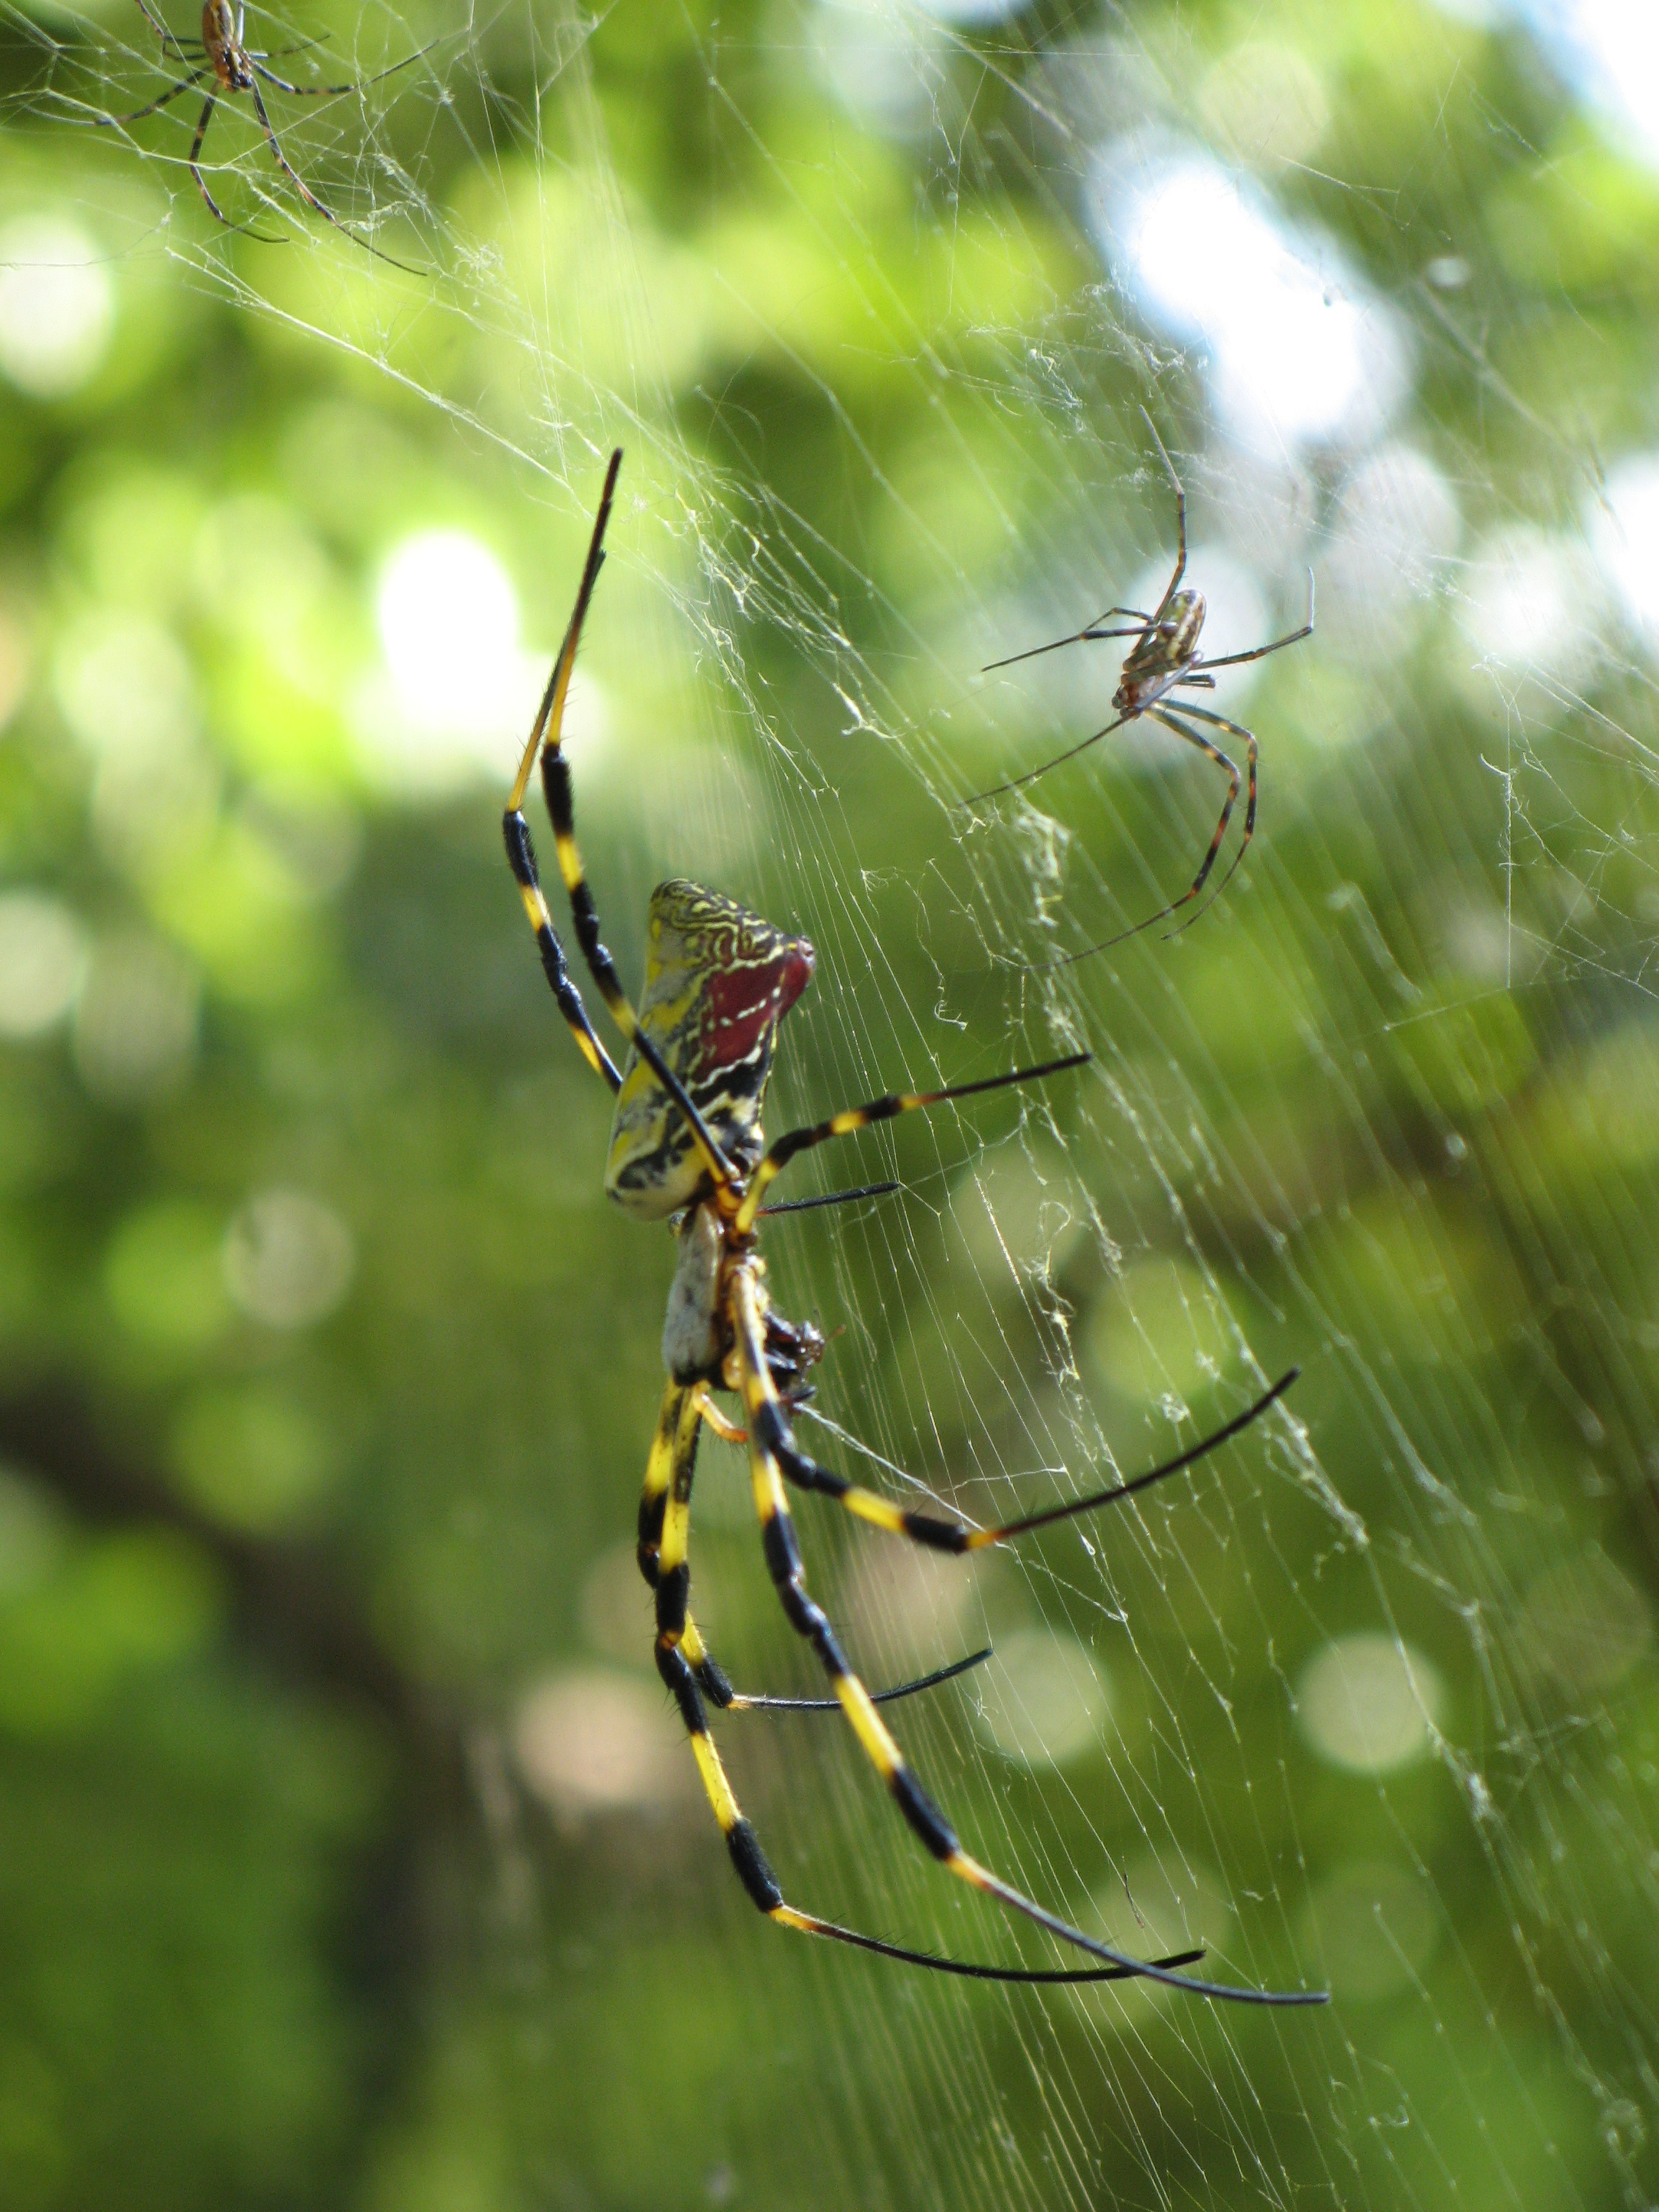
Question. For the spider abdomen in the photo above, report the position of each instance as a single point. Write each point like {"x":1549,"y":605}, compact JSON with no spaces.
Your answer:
{"x":1163,"y":655}
{"x":718,"y":981}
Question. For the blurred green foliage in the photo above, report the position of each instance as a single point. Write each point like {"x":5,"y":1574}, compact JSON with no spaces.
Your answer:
{"x":326,"y":1376}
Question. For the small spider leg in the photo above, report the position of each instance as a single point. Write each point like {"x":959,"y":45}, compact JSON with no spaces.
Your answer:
{"x":309,"y":196}
{"x":194,"y":164}
{"x":1211,"y":752}
{"x":1235,"y":730}
{"x":853,"y":1118}
{"x":280,"y":54}
{"x":1181,"y":519}
{"x":1019,"y":782}
{"x":956,"y":1537}
{"x":926,"y":1820}
{"x":155,"y":106}
{"x":326,"y":91}
{"x":166,"y":37}
{"x":557,"y":789}
{"x":1261,"y":652}
{"x":1087,"y":635}
{"x":682,"y":1660}
{"x":257,"y":64}
{"x":521,"y":858}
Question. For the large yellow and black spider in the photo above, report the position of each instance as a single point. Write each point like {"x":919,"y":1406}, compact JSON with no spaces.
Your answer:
{"x":687,"y":1148}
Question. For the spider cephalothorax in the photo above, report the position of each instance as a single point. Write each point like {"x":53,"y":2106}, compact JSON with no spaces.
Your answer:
{"x":687,"y":1146}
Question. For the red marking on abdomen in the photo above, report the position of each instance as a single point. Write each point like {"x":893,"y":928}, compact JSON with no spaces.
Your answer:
{"x":739,"y":1005}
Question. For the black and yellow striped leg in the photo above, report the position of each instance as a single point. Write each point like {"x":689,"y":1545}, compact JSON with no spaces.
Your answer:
{"x":926,"y":1821}
{"x":545,"y":736}
{"x":854,"y":1118}
{"x":684,"y":1663}
{"x":956,"y":1536}
{"x":515,"y":831}
{"x":665,"y":1508}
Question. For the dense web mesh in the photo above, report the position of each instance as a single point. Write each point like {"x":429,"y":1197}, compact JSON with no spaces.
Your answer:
{"x":1365,"y":1702}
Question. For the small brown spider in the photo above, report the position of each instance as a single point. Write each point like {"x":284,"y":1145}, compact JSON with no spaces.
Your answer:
{"x":234,"y":67}
{"x":1165,"y":653}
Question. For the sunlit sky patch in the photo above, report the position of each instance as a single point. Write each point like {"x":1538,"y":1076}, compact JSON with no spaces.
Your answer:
{"x":1297,"y":354}
{"x":457,"y":687}
{"x":1608,"y":51}
{"x":1624,"y":532}
{"x":57,"y":305}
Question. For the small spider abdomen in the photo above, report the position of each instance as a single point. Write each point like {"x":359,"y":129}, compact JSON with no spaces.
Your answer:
{"x":718,"y":981}
{"x":1163,"y":655}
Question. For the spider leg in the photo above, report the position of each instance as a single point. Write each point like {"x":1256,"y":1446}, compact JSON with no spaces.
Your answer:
{"x":194,"y":164}
{"x":1019,"y":782}
{"x":738,"y":1703}
{"x":833,"y":1197}
{"x":562,"y":808}
{"x":664,"y":1514}
{"x":163,"y":32}
{"x":1213,"y":752}
{"x":515,"y":831}
{"x":309,"y":196}
{"x":326,"y":91}
{"x":956,"y":1537}
{"x":1261,"y":652}
{"x":1087,"y":635}
{"x":809,"y":1621}
{"x":853,"y":1118}
{"x":256,"y":63}
{"x":155,"y":106}
{"x":1221,"y":722}
{"x":1181,"y":517}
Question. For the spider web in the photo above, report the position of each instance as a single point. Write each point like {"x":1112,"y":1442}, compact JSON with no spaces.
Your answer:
{"x":1365,"y":1703}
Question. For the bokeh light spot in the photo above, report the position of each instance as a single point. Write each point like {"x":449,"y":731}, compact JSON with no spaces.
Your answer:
{"x":163,"y":1277}
{"x":43,"y":957}
{"x":1042,"y":1699}
{"x":1532,"y":600}
{"x":136,"y":1020}
{"x":1374,"y":1927}
{"x":57,"y":305}
{"x":1585,"y":1624}
{"x":254,"y":1457}
{"x":1160,"y":1330}
{"x":1368,"y":1702}
{"x":590,"y":1740}
{"x":449,"y":620}
{"x":1625,"y":532}
{"x":288,"y":1259}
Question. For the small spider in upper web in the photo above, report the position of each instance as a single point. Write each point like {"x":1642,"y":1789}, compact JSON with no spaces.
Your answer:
{"x":1166,"y":656}
{"x":235,"y":67}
